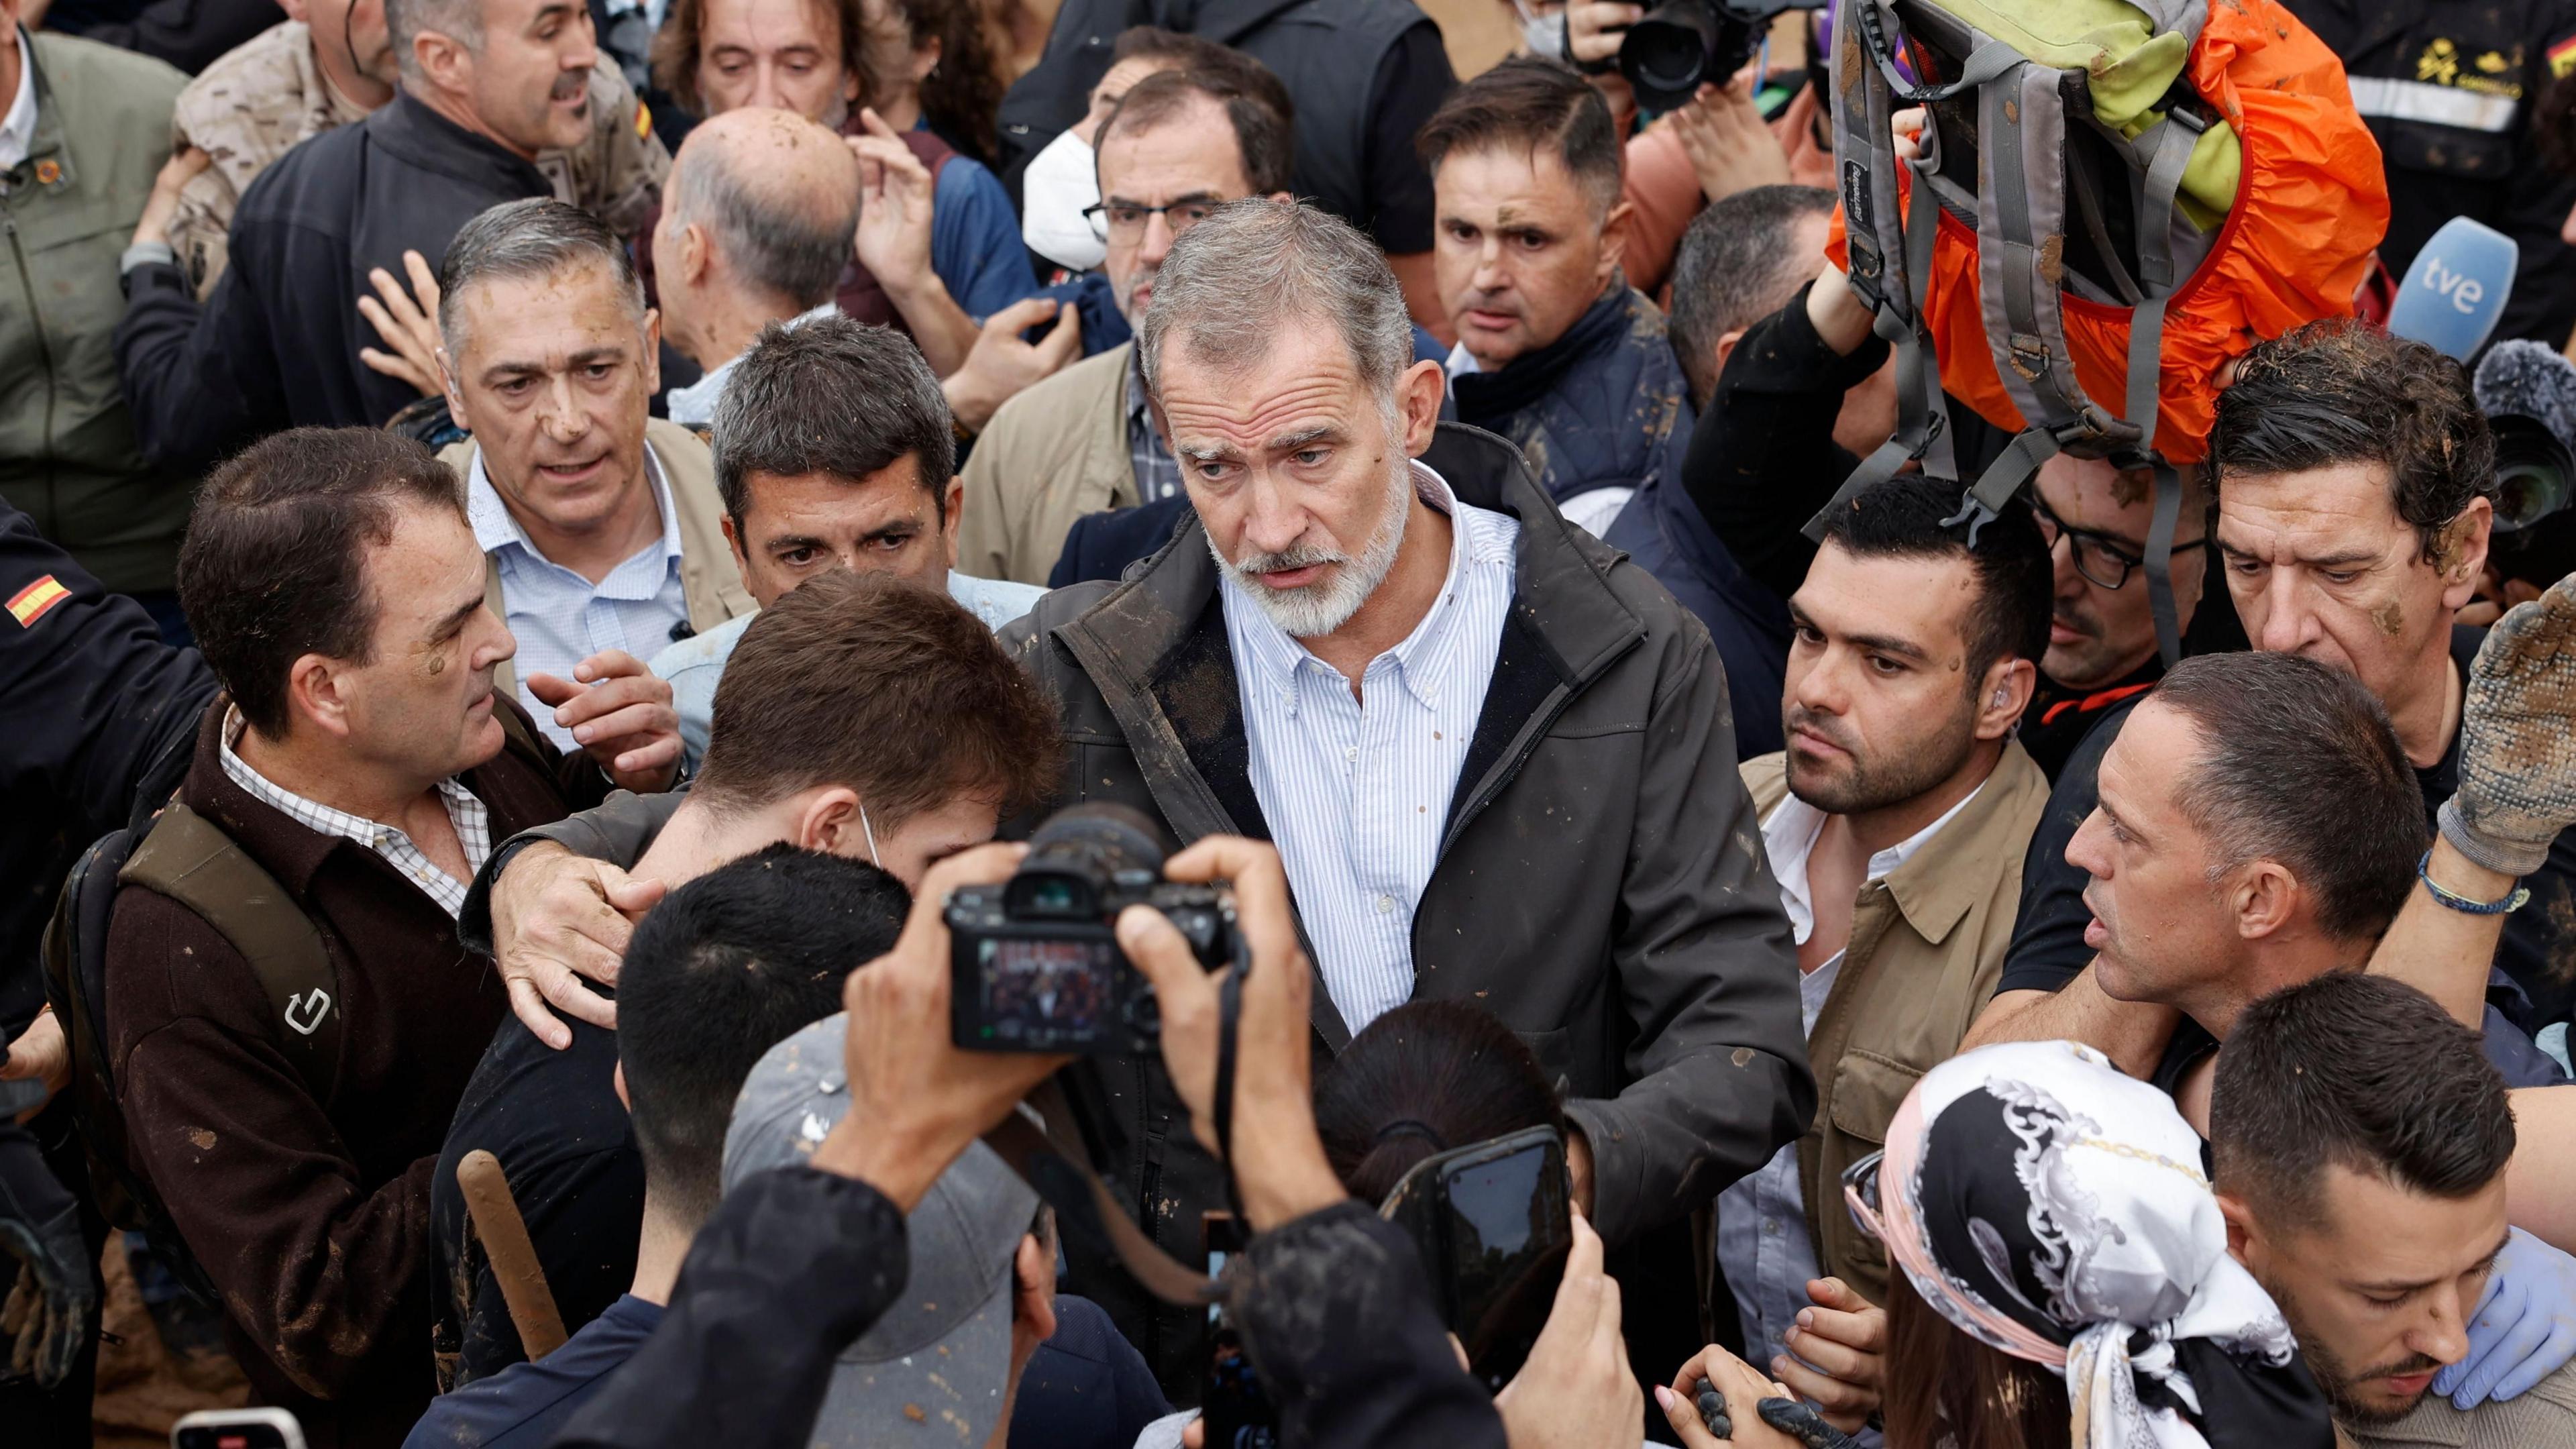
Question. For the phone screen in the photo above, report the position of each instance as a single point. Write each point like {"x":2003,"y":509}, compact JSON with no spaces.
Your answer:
{"x":1509,"y":1229}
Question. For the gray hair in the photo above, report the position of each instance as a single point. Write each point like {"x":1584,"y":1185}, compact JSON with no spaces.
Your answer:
{"x":1735,"y":267}
{"x":831,"y":396}
{"x":1231,"y":280}
{"x":406,"y":20}
{"x":780,"y":240}
{"x":540,"y":237}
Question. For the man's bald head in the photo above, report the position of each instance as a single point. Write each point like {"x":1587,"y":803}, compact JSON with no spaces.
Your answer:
{"x":777,"y":194}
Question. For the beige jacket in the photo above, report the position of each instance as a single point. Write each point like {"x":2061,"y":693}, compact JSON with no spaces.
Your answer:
{"x":709,"y":579}
{"x":1051,"y":455}
{"x":2544,"y":1417}
{"x":1927,"y":945}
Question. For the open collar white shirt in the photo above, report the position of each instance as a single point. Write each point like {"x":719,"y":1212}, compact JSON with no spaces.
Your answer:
{"x":1762,"y":1241}
{"x":1356,"y":791}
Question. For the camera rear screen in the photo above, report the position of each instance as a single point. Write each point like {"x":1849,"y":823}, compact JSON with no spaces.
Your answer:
{"x":1047,"y":992}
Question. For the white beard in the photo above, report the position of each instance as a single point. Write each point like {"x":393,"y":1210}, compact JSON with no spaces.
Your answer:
{"x":1311,"y":611}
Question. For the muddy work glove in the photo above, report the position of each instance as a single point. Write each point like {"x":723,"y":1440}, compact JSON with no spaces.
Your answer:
{"x":2518,"y":739}
{"x":51,"y":1302}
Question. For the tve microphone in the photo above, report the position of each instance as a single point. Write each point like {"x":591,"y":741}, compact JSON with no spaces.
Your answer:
{"x":2457,"y":288}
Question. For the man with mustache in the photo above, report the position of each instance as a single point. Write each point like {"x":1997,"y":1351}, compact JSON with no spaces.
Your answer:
{"x":329,"y":64}
{"x":2376,"y":1218}
{"x":1895,"y":823}
{"x":488,"y":88}
{"x":1493,"y":754}
{"x":364,"y":758}
{"x":602,"y":527}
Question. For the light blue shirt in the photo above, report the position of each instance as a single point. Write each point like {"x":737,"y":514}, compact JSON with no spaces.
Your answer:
{"x":694,"y":406}
{"x":693,"y":666}
{"x":561,"y":618}
{"x":1356,"y":791}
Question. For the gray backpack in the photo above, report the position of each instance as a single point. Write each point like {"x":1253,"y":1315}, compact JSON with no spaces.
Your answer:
{"x":2059,"y":202}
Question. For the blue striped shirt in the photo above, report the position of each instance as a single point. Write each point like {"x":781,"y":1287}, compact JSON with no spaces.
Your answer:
{"x":1356,"y":791}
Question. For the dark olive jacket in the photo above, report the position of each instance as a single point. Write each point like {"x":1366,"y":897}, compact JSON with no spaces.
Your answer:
{"x":1601,"y":884}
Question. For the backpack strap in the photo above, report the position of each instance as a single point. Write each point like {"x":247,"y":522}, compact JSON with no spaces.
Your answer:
{"x":190,"y":859}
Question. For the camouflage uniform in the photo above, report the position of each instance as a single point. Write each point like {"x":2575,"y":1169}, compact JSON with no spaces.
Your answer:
{"x":267,"y":96}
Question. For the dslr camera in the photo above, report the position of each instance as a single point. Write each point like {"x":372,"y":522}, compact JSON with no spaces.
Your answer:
{"x":1034,"y":962}
{"x":1681,"y":43}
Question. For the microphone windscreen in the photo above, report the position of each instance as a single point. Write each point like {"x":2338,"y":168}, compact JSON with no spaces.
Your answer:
{"x":2529,"y":378}
{"x":2456,"y":289}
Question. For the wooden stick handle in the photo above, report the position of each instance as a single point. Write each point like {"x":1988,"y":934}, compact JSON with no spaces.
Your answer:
{"x":514,"y":1258}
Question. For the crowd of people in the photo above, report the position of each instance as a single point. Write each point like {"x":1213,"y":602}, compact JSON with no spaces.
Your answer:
{"x":621,"y":616}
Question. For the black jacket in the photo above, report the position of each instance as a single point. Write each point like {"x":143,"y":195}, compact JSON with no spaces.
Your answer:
{"x":1600,"y":887}
{"x":100,"y":712}
{"x":190,"y":34}
{"x":1102,"y":545}
{"x":2448,"y":90}
{"x":276,"y":346}
{"x":1663,"y":532}
{"x":796,"y":1264}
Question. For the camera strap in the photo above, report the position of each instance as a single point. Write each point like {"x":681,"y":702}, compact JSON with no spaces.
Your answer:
{"x":1086,"y":1210}
{"x":1229,"y":1019}
{"x":1032,"y":1142}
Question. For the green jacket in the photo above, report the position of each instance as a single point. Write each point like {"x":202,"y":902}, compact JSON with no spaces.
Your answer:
{"x":67,"y":451}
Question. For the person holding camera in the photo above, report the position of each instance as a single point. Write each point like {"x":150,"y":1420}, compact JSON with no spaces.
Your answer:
{"x":798,"y":1261}
{"x":1496,"y":759}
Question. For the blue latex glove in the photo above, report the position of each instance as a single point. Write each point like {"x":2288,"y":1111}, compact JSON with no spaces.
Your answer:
{"x":2524,"y":1329}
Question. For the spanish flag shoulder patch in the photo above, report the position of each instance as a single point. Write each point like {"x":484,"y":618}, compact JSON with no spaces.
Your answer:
{"x":643,"y":119}
{"x":32,"y":602}
{"x":2562,"y":57}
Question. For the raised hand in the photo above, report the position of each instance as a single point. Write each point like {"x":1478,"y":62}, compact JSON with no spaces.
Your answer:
{"x":2517,"y":786}
{"x":559,"y":919}
{"x":407,"y":320}
{"x":619,"y":712}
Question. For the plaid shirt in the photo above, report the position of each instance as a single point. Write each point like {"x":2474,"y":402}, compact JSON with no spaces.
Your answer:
{"x":472,"y":822}
{"x":1158,"y":473}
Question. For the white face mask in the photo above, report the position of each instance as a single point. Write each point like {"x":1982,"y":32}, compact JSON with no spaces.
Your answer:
{"x":1057,"y":185}
{"x":1541,"y":34}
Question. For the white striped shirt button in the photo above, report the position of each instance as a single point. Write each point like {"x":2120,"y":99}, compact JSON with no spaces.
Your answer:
{"x":1357,"y":859}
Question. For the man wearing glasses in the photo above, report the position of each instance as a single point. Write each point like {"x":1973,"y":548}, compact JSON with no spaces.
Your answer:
{"x":2355,"y":494}
{"x":1179,"y":144}
{"x":1764,"y":459}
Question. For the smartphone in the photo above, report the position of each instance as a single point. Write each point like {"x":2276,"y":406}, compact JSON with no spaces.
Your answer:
{"x":1493,"y":1224}
{"x":237,"y":1429}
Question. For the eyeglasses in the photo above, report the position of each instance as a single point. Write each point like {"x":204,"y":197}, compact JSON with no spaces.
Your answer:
{"x":2103,"y":559}
{"x":1124,"y":222}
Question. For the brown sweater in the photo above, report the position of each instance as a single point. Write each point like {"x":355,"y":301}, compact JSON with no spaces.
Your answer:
{"x":312,"y":1218}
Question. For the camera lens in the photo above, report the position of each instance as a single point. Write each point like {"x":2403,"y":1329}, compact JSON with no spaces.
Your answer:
{"x":1078,"y":860}
{"x":1667,"y":54}
{"x":2535,"y":473}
